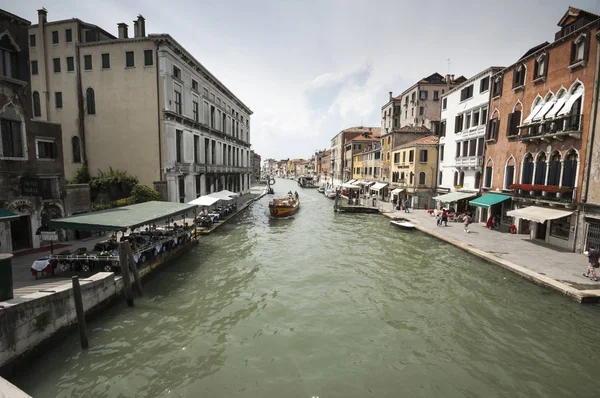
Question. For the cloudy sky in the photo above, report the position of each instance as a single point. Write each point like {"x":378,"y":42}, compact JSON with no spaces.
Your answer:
{"x":310,"y":68}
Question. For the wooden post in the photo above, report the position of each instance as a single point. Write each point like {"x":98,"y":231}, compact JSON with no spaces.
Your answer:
{"x":80,"y":314}
{"x":124,"y":260}
{"x":134,"y":270}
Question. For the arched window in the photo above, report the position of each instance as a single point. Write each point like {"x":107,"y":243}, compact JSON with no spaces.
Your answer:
{"x":477,"y":180}
{"x":540,"y":169}
{"x":570,"y":170}
{"x":509,"y":173}
{"x":422,"y":178}
{"x":455,"y":178}
{"x":412,"y":178}
{"x":527,"y":176}
{"x":554,"y":172}
{"x":76,"y":147}
{"x":402,"y":177}
{"x":37,"y":106}
{"x":90,"y":99}
{"x":489,"y":169}
{"x":461,"y":178}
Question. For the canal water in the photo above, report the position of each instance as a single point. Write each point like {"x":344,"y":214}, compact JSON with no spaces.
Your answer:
{"x":329,"y":305}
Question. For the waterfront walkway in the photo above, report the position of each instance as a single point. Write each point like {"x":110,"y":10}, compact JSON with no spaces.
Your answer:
{"x":533,"y":260}
{"x":24,"y":283}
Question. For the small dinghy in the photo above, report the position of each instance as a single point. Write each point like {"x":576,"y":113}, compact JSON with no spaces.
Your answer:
{"x":403,"y":224}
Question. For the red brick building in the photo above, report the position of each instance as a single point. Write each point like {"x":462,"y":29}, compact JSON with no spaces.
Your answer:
{"x":538,"y":130}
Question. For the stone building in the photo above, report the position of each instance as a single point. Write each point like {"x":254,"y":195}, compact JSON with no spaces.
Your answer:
{"x":540,"y":125}
{"x":338,"y":145}
{"x":32,"y":186}
{"x":357,"y":145}
{"x":142,"y":104}
{"x":255,"y":159}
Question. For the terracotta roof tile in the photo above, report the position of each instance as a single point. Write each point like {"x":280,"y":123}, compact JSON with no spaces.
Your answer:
{"x":412,"y":129}
{"x":429,"y":140}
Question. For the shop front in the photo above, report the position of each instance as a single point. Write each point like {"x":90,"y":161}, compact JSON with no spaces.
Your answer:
{"x":492,"y":205}
{"x":553,"y":226}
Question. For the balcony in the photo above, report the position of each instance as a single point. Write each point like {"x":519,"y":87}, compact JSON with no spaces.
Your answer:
{"x":555,"y":129}
{"x":545,"y":194}
{"x":469,"y":161}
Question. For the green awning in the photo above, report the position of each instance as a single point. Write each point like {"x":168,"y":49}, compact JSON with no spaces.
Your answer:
{"x":489,"y":200}
{"x":125,"y":217}
{"x":7,"y":215}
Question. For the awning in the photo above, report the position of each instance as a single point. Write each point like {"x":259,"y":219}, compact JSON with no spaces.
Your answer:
{"x":489,"y":199}
{"x":547,"y":106}
{"x":367,"y":183}
{"x":7,"y":215}
{"x":224,"y":194}
{"x":125,"y":217}
{"x":378,"y":186}
{"x":453,"y":197}
{"x":397,"y":191}
{"x":535,"y":110}
{"x":539,"y":214}
{"x":347,"y":185}
{"x":569,"y":104}
{"x":557,"y":107}
{"x":205,"y":200}
{"x":350,"y":182}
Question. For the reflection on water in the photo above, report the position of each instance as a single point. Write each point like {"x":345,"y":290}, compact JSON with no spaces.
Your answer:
{"x":329,"y":305}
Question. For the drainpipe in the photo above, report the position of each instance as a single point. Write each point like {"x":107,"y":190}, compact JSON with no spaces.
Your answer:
{"x":80,"y":101}
{"x":158,"y":113}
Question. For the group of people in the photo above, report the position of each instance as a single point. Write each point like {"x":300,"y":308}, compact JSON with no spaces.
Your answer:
{"x":442,"y":218}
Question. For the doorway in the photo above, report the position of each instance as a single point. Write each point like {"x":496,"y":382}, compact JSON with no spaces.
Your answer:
{"x":541,"y":231}
{"x":20,"y":231}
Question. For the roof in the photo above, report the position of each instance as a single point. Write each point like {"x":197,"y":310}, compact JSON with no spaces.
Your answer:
{"x":364,"y":139}
{"x":412,"y":129}
{"x":573,"y":12}
{"x":362,"y":129}
{"x":122,"y":218}
{"x":77,"y":20}
{"x":16,"y":18}
{"x":491,"y":70}
{"x":534,"y":49}
{"x":429,"y":140}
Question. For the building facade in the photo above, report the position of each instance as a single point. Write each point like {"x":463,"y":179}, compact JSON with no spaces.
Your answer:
{"x":338,"y":150}
{"x":539,"y":128}
{"x":255,"y":157}
{"x":142,"y":104}
{"x":462,"y":133}
{"x":354,"y":146}
{"x":32,"y":185}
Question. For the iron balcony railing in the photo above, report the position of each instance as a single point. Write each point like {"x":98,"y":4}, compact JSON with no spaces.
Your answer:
{"x":562,"y":126}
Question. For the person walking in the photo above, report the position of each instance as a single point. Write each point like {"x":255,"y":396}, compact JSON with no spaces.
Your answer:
{"x":444,"y":217}
{"x":593,"y":257}
{"x":467,"y":221}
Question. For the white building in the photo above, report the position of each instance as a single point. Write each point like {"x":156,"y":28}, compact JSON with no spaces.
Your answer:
{"x":462,"y":131}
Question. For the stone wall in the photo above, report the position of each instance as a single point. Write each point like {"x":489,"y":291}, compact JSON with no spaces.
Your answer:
{"x":78,"y":199}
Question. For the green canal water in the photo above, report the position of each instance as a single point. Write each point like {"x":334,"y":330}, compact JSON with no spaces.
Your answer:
{"x":329,"y":305}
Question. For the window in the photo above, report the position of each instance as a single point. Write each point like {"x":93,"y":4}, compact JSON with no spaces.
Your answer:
{"x":513,"y":122}
{"x":422,"y":177}
{"x":441,"y":153}
{"x":472,"y":147}
{"x":497,"y":88}
{"x":45,"y":149}
{"x":466,"y":93}
{"x":196,"y":149}
{"x":194,"y":85}
{"x":198,"y":185}
{"x":148,"y":58}
{"x":421,"y":110}
{"x":440,"y":178}
{"x":90,"y":100}
{"x":87,"y":62}
{"x":12,"y":138}
{"x":554,"y":172}
{"x":179,"y":146}
{"x":181,"y":184}
{"x":458,"y":149}
{"x":461,"y":179}
{"x":32,"y":40}
{"x":480,"y":144}
{"x":34,"y":67}
{"x":411,"y":156}
{"x":176,"y":72}
{"x":70,"y":64}
{"x":519,"y":76}
{"x":465,"y":148}
{"x":468,"y":121}
{"x":492,"y":130}
{"x":68,"y":35}
{"x":58,"y":99}
{"x":56,"y":63}
{"x":177,"y":92}
{"x":8,"y":63}
{"x":444,"y":103}
{"x":484,"y":112}
{"x":540,"y":169}
{"x":396,"y":157}
{"x":475,"y":119}
{"x":458,"y":123}
{"x":76,"y":148}
{"x":423,"y":156}
{"x":195,"y":110}
{"x":106,"y":61}
{"x":477,"y":180}
{"x":560,"y":228}
{"x":205,"y":90}
{"x":436,"y":95}
{"x":580,"y":49}
{"x":423,"y":95}
{"x":540,"y":67}
{"x":527,"y":172}
{"x":37,"y":106}
{"x":488,"y":176}
{"x":411,"y":178}
{"x":509,"y":173}
{"x":129,"y":59}
{"x":55,"y":37}
{"x":484,"y":84}
{"x":443,"y":128}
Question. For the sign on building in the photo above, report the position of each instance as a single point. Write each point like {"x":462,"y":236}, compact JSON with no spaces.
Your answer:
{"x":49,"y":236}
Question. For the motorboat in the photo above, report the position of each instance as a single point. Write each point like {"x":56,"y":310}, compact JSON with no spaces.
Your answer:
{"x":403,"y":224}
{"x":286,"y":206}
{"x":321,"y":190}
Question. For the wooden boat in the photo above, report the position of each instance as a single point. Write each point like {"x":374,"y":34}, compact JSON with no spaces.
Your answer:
{"x":284,"y":207}
{"x":403,"y":224}
{"x":321,"y":190}
{"x":330,"y":194}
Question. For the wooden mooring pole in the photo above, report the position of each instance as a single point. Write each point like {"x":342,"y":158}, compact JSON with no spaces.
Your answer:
{"x":134,"y":270}
{"x":80,"y":313}
{"x":124,"y":262}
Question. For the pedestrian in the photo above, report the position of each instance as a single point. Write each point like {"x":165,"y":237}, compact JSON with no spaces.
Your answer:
{"x":438,"y":219}
{"x":467,"y":221}
{"x":444,"y":217}
{"x":593,"y":256}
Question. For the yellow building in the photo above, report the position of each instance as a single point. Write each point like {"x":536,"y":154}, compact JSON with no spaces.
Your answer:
{"x":414,"y":167}
{"x":357,"y":164}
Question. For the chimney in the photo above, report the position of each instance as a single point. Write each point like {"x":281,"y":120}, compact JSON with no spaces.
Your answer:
{"x":390,"y":95}
{"x":123,"y":30}
{"x":452,"y":78}
{"x":42,"y":13}
{"x":139,"y":27}
{"x":447,"y":79}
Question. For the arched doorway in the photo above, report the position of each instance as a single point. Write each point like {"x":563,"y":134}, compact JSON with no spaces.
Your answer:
{"x":21,"y":229}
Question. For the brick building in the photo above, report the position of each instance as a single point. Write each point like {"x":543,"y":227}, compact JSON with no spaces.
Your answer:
{"x":538,"y":130}
{"x":31,"y":161}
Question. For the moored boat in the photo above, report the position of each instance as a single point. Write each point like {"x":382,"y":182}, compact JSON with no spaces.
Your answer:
{"x":403,"y":224}
{"x":321,"y":190}
{"x":286,"y":206}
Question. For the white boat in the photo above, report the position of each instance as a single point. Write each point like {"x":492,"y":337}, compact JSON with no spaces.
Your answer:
{"x":403,"y":224}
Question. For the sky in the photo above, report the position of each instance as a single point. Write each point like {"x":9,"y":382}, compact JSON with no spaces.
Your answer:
{"x":309,"y":69}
